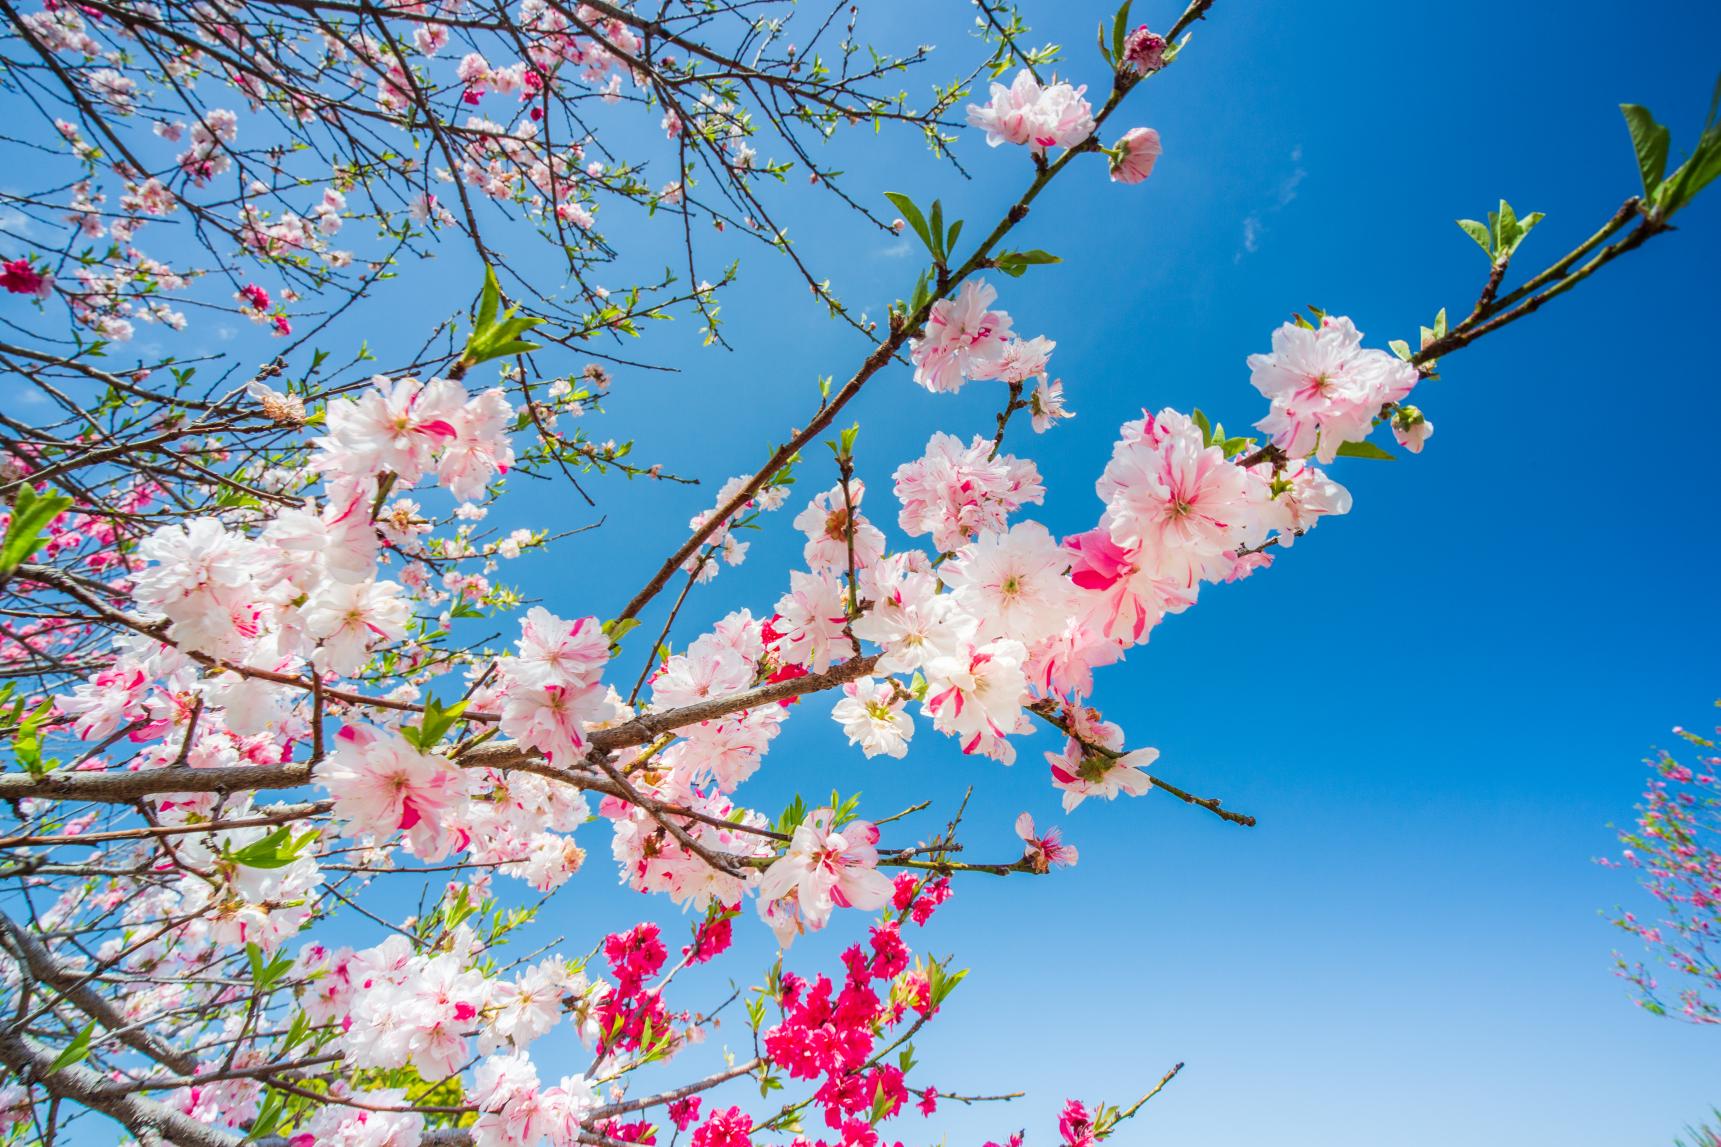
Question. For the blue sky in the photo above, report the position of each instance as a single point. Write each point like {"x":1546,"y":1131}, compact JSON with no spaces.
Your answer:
{"x":1435,"y":706}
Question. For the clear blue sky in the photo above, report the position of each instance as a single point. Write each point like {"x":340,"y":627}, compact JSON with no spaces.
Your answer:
{"x":1435,"y":706}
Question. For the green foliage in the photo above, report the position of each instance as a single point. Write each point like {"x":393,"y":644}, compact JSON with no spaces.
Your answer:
{"x":1016,"y":263}
{"x":792,"y":815}
{"x":1500,"y":238}
{"x":844,"y":808}
{"x":31,"y":514}
{"x":266,"y":974}
{"x":277,"y":850}
{"x":1366,"y":450}
{"x":493,"y":336}
{"x":941,"y":982}
{"x":617,"y":628}
{"x":939,"y":241}
{"x":843,"y":446}
{"x":269,"y":1116}
{"x":27,"y":741}
{"x":1703,"y":1135}
{"x":1663,"y":193}
{"x":437,"y":720}
{"x":1650,"y":140}
{"x":75,"y":1052}
{"x":1111,"y":46}
{"x":1214,"y":435}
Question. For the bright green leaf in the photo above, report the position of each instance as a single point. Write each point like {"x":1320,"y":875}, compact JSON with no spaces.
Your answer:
{"x":1365,"y":450}
{"x":31,"y":514}
{"x":1650,"y":140}
{"x":75,"y":1052}
{"x":914,"y":218}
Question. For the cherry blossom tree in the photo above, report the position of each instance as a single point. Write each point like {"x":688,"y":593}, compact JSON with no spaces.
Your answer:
{"x":282,"y":800}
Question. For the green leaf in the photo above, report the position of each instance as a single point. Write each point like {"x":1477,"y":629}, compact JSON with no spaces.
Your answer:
{"x":922,"y":294}
{"x":1478,"y":232}
{"x":1014,"y":263}
{"x":1700,"y":168}
{"x":1119,"y":33}
{"x":791,"y":817}
{"x":1507,"y":230}
{"x":1505,"y":225}
{"x":31,"y":514}
{"x":27,"y":742}
{"x":617,"y":628}
{"x":494,"y":337}
{"x":936,"y":226}
{"x":1526,"y":225}
{"x":881,"y":1104}
{"x":1650,"y":140}
{"x":1206,"y":427}
{"x":917,"y":686}
{"x":1365,"y":450}
{"x":277,"y":850}
{"x":434,"y":725}
{"x":75,"y":1052}
{"x":266,"y":976}
{"x":297,"y":1031}
{"x":912,"y":215}
{"x":489,"y":299}
{"x":1694,"y":174}
{"x":268,"y":1117}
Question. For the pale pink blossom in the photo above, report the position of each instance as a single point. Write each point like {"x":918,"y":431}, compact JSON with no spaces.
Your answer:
{"x":1183,"y":506}
{"x":1134,"y":155}
{"x":1325,"y":387}
{"x":977,"y":696}
{"x":1047,"y":851}
{"x":810,"y":620}
{"x":964,"y":338}
{"x":347,"y":619}
{"x":826,"y":523}
{"x":554,"y":718}
{"x":827,"y":867}
{"x":1026,"y":113}
{"x":1046,"y":404}
{"x":382,"y":784}
{"x":1104,"y":771}
{"x":955,"y":492}
{"x":872,"y":714}
{"x":1012,"y":583}
{"x":1412,"y":428}
{"x":552,"y":650}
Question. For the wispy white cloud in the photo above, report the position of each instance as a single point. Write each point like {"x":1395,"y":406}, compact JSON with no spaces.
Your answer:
{"x":1255,"y":223}
{"x":14,"y":222}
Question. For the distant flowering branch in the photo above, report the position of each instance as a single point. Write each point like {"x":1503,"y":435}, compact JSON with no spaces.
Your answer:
{"x":1675,"y":850}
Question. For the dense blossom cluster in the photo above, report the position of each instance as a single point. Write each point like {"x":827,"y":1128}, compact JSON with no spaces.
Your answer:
{"x":1001,"y":621}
